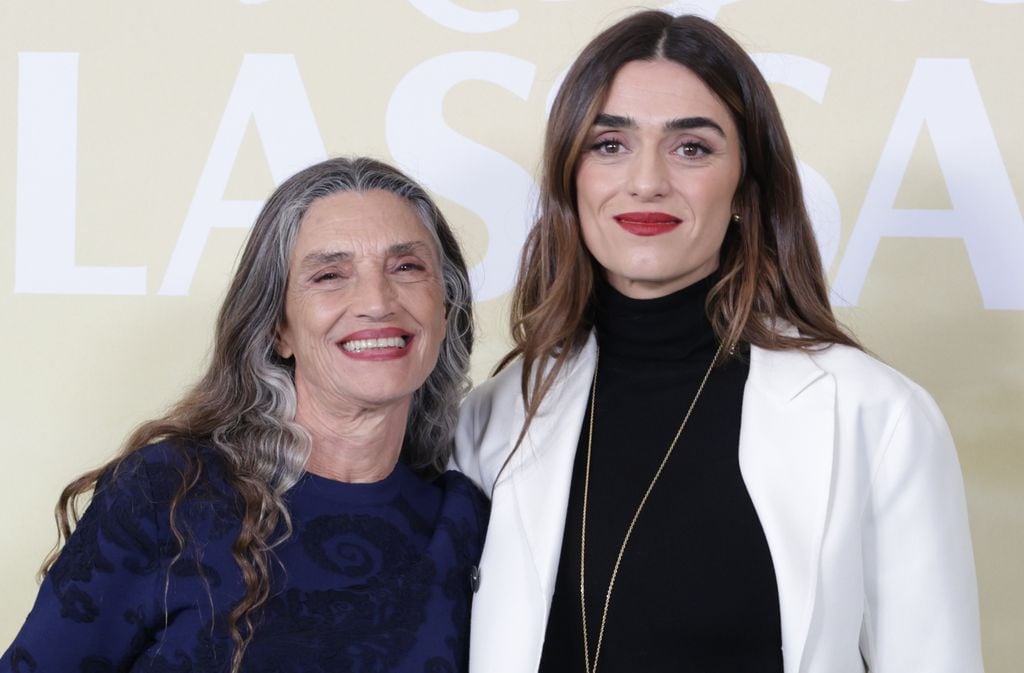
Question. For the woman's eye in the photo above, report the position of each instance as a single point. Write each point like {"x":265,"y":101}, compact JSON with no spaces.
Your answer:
{"x":607,"y":147}
{"x":410,"y":268}
{"x":693,"y":150}
{"x":326,"y":276}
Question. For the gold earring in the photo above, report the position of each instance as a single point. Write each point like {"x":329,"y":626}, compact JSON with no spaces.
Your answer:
{"x":736,"y":219}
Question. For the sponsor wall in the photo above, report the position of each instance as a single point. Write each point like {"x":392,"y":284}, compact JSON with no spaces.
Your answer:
{"x":138,"y":140}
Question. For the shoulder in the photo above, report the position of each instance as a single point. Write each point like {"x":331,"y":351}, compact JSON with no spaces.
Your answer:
{"x":157,"y":471}
{"x":495,"y":408}
{"x":163,"y":482}
{"x":463,"y":492}
{"x":141,"y":479}
{"x":450,"y":493}
{"x":501,"y":391}
{"x":865,"y":382}
{"x":859,"y":378}
{"x":876,"y":406}
{"x":493,"y":415}
{"x":466,"y":506}
{"x":873,"y":396}
{"x":488,"y":421}
{"x":133,"y":496}
{"x":125,"y":528}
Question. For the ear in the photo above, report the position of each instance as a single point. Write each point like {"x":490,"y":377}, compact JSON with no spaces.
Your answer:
{"x":737,"y":210}
{"x":282,"y":342}
{"x":444,"y":319}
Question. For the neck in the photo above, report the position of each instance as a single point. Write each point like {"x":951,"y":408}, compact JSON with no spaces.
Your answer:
{"x":356,"y":445}
{"x":653,"y":331}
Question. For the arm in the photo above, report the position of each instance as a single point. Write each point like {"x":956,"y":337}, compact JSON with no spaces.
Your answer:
{"x":94,"y":608}
{"x":921,"y":603}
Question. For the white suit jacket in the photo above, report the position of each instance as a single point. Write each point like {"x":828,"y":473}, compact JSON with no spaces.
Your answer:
{"x":853,"y":474}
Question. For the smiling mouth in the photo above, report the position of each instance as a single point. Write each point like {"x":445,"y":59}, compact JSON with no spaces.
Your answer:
{"x":362,"y":345}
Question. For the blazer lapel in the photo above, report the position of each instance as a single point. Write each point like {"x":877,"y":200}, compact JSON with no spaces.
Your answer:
{"x":542,"y":471}
{"x":524,"y":540}
{"x":787,"y":440}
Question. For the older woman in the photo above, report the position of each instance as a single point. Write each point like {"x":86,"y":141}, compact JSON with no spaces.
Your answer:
{"x":285,"y":515}
{"x":693,"y":467}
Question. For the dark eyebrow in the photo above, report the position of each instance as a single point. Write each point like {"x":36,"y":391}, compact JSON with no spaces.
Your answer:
{"x":615,"y":121}
{"x":694,"y":123}
{"x":681,"y":124}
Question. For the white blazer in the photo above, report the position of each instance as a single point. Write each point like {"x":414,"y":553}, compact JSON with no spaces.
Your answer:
{"x":854,"y":476}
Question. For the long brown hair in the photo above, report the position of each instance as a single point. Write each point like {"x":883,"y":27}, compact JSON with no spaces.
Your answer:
{"x":770,"y":272}
{"x":243,"y":407}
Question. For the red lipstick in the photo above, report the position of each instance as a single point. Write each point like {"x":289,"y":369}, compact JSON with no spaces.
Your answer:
{"x":647,"y":223}
{"x":387,"y":343}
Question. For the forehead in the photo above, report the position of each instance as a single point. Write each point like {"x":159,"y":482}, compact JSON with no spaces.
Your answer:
{"x":662,"y":89}
{"x":360,"y":222}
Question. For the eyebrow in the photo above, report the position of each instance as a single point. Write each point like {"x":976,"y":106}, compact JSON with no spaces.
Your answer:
{"x":681,"y":124}
{"x":407,"y":248}
{"x":321,"y":257}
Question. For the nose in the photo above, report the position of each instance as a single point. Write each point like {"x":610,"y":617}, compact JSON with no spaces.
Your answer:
{"x":374,"y":296}
{"x":648,"y":175}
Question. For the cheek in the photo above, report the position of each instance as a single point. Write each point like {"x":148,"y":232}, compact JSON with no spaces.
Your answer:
{"x":714,"y":194}
{"x":592,"y":239}
{"x":588,"y":207}
{"x":425,"y":303}
{"x":729,"y":187}
{"x":593,"y":184}
{"x":433,"y":323}
{"x":310,"y":317}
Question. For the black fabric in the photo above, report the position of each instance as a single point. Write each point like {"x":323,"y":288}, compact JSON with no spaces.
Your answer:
{"x":696,"y":589}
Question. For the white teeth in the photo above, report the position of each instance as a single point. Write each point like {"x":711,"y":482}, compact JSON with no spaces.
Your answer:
{"x":358,"y":345}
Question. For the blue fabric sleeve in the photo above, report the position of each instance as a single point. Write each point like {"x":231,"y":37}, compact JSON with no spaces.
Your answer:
{"x":102,"y":599}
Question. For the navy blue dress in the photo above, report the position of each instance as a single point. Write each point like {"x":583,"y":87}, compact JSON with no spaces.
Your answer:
{"x":375,"y":577}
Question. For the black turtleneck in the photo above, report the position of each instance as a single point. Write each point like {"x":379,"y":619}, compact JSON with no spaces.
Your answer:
{"x":696,"y":589}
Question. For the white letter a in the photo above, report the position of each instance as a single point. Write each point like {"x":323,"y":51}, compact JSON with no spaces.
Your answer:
{"x":943,"y":94}
{"x":269,"y":89}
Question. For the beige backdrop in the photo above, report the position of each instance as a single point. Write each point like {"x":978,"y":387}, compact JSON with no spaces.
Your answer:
{"x":138,"y":139}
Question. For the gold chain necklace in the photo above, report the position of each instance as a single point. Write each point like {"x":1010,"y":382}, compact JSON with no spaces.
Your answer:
{"x":632,"y":524}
